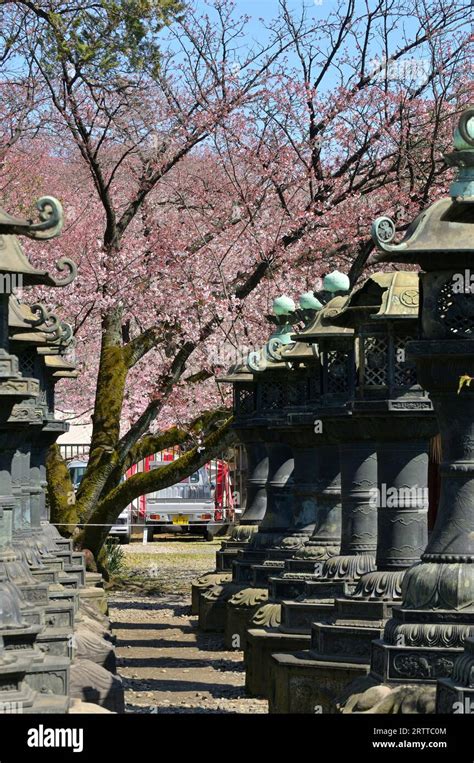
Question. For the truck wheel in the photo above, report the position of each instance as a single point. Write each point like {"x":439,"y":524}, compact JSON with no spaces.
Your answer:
{"x":150,"y":531}
{"x":208,"y":536}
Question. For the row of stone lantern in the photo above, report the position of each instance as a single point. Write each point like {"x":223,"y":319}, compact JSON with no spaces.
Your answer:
{"x":382,"y":429}
{"x":363,"y":431}
{"x":55,"y":644}
{"x":429,"y":639}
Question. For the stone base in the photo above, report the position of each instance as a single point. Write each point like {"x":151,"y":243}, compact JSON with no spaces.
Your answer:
{"x":94,"y":580}
{"x":288,"y":585}
{"x":89,"y":646}
{"x":240,"y":611}
{"x":230,"y":550}
{"x":49,"y":676}
{"x":213,"y":606}
{"x":452,"y":699}
{"x":412,"y":664}
{"x":59,"y":615}
{"x":260,"y":644}
{"x":301,"y":565}
{"x":301,"y":684}
{"x":96,"y":597}
{"x":48,"y":704}
{"x":55,"y":642}
{"x":352,"y":628}
{"x":92,"y":683}
{"x":242,"y":567}
{"x":298,"y":616}
{"x":261,"y":573}
{"x":203,"y":584}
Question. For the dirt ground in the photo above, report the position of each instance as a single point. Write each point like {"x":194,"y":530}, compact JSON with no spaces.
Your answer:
{"x":167,"y":665}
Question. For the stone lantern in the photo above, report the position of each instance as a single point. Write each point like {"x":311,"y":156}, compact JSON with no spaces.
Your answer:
{"x":384,"y":314}
{"x":268,"y":395}
{"x":315,"y":511}
{"x":40,"y":574}
{"x":253,"y":441}
{"x":317,"y":578}
{"x":428,"y":631}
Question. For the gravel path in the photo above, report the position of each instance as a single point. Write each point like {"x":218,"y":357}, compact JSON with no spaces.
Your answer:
{"x":167,"y":665}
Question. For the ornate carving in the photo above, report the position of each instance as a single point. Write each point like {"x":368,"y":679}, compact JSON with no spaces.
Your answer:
{"x":424,"y":666}
{"x":249,"y":597}
{"x":444,"y":635}
{"x":380,"y":585}
{"x":317,"y":553}
{"x":348,"y":567}
{"x":268,"y":616}
{"x":438,"y":586}
{"x":211,"y":579}
{"x":243,"y":533}
{"x":220,"y":592}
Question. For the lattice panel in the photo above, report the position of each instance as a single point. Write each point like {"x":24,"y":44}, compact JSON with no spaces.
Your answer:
{"x":26,"y":362}
{"x":375,"y":361}
{"x":245,"y":400}
{"x":314,"y":390}
{"x":273,"y":396}
{"x":297,"y":391}
{"x":405,"y":370}
{"x":337,"y":373}
{"x":456,"y":311}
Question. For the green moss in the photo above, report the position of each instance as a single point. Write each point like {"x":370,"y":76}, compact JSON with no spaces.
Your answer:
{"x":63,"y":507}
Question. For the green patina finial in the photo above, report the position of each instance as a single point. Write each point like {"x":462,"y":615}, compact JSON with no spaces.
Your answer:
{"x":336,"y":281}
{"x":309,"y":302}
{"x":283,"y":305}
{"x":462,"y":188}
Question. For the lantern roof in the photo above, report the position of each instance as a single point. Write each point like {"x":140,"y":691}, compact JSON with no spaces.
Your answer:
{"x":36,"y":325}
{"x":383,"y":295}
{"x":59,"y":367}
{"x":443,"y":233}
{"x":324,"y":325}
{"x":14,"y":262}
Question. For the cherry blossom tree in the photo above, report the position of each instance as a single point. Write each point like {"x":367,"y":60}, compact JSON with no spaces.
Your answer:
{"x":203,"y":177}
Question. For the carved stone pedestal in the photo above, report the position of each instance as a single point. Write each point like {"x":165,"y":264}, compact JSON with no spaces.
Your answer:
{"x":455,"y":695}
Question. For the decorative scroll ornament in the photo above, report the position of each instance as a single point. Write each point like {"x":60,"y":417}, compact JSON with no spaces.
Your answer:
{"x":221,"y":592}
{"x":383,"y":232}
{"x":254,"y":361}
{"x":273,"y":347}
{"x":463,"y":671}
{"x":466,"y":126}
{"x":65,"y":264}
{"x":65,"y":333}
{"x":48,"y":321}
{"x":51,"y":221}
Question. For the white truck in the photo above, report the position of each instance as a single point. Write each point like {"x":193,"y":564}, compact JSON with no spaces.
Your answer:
{"x":186,"y":507}
{"x":121,"y":529}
